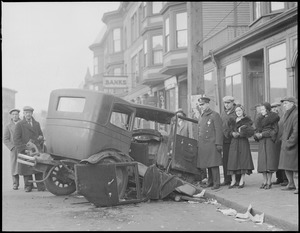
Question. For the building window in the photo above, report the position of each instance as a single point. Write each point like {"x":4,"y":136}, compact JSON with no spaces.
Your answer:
{"x":117,"y":71}
{"x":209,"y":87}
{"x":167,"y":36}
{"x":275,"y":6}
{"x":181,"y":30}
{"x":277,"y":72}
{"x":96,"y":70}
{"x":256,"y":10}
{"x":157,"y":49}
{"x":145,"y":53}
{"x":117,"y":40}
{"x":233,"y":81}
{"x":156,"y":7}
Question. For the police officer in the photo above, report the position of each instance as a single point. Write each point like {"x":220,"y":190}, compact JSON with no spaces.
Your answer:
{"x":210,"y":141}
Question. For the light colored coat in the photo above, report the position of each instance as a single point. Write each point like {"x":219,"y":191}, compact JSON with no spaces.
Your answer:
{"x":9,"y":143}
{"x":289,"y":148}
{"x":210,"y":134}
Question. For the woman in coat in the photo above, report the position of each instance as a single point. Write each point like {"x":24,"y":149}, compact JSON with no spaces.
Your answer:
{"x":266,"y":134}
{"x":240,"y":158}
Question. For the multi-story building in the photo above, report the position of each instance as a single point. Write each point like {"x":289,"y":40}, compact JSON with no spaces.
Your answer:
{"x":8,"y":103}
{"x":249,"y":51}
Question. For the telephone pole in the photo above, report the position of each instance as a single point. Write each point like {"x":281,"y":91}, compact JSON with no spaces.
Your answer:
{"x":195,"y":74}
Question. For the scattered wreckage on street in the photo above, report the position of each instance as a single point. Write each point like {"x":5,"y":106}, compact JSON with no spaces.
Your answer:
{"x":113,"y":151}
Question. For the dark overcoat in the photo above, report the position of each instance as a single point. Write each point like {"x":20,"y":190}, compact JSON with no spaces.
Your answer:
{"x":267,"y":125}
{"x":289,"y":141}
{"x":210,"y":134}
{"x":226,"y":116}
{"x":23,"y":133}
{"x":240,"y":157}
{"x":9,"y":143}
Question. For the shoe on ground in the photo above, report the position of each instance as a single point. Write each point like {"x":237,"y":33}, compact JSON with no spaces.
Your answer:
{"x":284,"y":183}
{"x":288,"y":188}
{"x":241,"y":186}
{"x":15,"y":188}
{"x":225,"y":183}
{"x":208,"y":185}
{"x":277,"y":182}
{"x":215,"y":187}
{"x":41,"y":189}
{"x":296,"y":191}
{"x":28,"y":189}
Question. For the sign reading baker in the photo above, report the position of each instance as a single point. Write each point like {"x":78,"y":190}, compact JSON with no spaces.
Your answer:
{"x":115,"y":81}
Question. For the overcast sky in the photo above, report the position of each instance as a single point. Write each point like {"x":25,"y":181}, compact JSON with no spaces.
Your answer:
{"x":45,"y":46}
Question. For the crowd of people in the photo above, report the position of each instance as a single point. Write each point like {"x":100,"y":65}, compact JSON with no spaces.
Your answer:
{"x":223,"y":140}
{"x":16,"y":135}
{"x":273,"y":124}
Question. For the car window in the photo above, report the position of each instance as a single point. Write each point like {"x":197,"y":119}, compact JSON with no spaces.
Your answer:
{"x":71,"y":104}
{"x":121,"y":116}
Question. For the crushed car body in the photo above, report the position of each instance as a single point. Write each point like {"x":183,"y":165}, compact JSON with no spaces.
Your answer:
{"x":112,"y":151}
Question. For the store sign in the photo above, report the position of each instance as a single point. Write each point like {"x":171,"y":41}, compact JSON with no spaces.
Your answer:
{"x":170,"y":83}
{"x":115,"y":81}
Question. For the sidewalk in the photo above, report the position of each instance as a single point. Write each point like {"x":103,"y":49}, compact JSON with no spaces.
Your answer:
{"x":280,"y":208}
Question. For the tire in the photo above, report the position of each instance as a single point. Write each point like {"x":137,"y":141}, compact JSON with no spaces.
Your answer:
{"x":59,"y":182}
{"x":121,"y":174}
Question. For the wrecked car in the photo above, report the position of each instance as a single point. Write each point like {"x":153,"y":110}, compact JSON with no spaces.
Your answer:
{"x":85,"y":127}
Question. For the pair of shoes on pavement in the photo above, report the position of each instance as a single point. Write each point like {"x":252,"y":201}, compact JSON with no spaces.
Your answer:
{"x":277,"y":182}
{"x":284,"y":183}
{"x":15,"y":187}
{"x":225,"y":183}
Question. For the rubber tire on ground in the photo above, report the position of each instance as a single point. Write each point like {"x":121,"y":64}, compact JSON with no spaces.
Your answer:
{"x":58,"y":183}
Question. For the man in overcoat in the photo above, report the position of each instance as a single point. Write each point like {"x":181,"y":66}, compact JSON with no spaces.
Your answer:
{"x":9,"y":143}
{"x":226,"y":115}
{"x":288,"y":160}
{"x":210,"y":141}
{"x":26,"y":130}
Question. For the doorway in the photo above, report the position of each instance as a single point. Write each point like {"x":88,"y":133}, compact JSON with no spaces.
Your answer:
{"x":255,"y":85}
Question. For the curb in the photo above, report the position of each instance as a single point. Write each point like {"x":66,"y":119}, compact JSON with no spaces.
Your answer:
{"x":280,"y":223}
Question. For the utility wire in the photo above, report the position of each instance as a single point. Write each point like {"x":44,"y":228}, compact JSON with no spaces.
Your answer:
{"x":218,"y":23}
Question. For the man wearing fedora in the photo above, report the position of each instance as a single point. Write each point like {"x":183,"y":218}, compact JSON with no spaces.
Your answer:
{"x":210,"y":141}
{"x":288,"y":159}
{"x":27,"y":130}
{"x":9,"y":143}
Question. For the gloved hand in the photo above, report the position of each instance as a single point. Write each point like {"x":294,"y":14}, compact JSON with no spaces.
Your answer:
{"x":219,"y":148}
{"x":258,"y":135}
{"x":40,"y":138}
{"x":235,"y":134}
